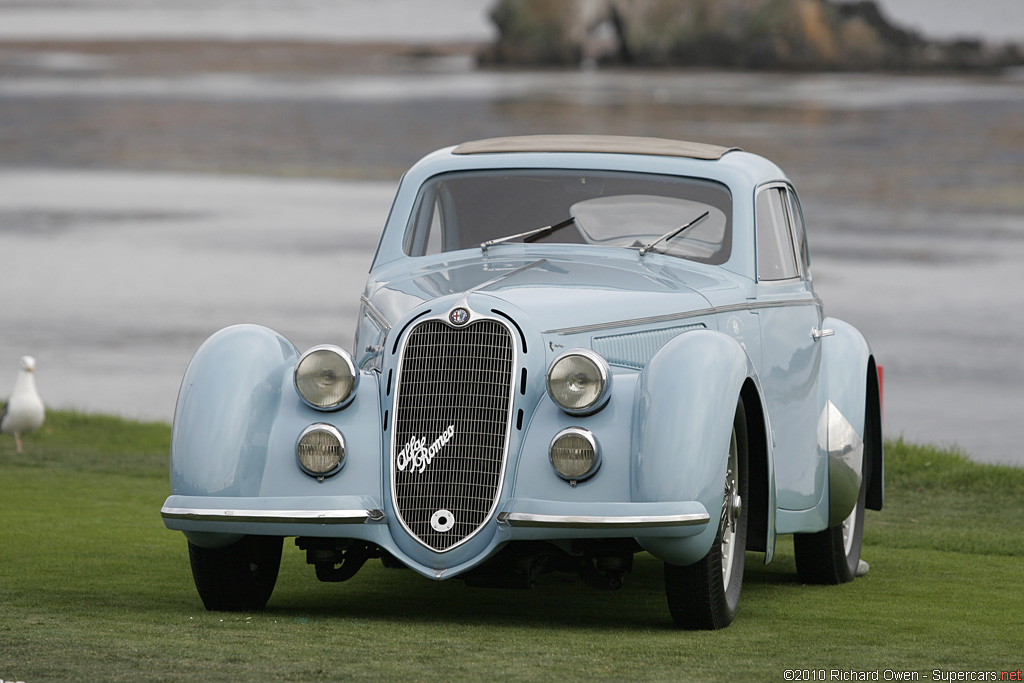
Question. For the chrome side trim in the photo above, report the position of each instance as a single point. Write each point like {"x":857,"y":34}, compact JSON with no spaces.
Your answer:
{"x":274,"y":516}
{"x":525,"y":519}
{"x":713,"y":310}
{"x":635,"y":349}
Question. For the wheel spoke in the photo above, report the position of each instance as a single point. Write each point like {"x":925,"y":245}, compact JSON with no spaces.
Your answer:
{"x":705,"y":594}
{"x":849,"y":529}
{"x":730,"y":513}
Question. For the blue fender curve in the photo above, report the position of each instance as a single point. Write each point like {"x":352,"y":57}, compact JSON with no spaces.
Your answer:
{"x":684,"y":408}
{"x":225,"y":411}
{"x":233,"y":446}
{"x":848,"y":362}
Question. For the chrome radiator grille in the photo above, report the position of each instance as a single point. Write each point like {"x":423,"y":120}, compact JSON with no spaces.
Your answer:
{"x":451,"y":420}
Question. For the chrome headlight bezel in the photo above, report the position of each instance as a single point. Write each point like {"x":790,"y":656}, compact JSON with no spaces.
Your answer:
{"x":573,"y":477}
{"x":332,"y":432}
{"x":344,"y":369}
{"x":602,"y":374}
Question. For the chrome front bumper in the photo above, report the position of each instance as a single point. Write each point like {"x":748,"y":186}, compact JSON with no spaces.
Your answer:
{"x":521,"y":517}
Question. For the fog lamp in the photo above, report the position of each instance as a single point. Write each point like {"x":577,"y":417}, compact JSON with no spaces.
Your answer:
{"x":574,"y":454}
{"x":321,"y":450}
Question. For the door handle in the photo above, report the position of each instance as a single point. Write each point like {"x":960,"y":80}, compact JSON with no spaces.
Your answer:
{"x":817,"y":334}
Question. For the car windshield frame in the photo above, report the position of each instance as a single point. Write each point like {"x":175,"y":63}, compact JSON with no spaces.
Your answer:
{"x":490,"y":208}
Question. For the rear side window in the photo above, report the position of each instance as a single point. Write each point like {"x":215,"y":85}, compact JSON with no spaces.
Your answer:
{"x":776,"y":253}
{"x":799,"y":228}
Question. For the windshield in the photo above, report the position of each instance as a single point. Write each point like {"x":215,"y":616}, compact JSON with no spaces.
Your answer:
{"x":607,"y":208}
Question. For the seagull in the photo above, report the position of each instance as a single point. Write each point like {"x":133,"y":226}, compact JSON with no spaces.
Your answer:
{"x":24,"y":411}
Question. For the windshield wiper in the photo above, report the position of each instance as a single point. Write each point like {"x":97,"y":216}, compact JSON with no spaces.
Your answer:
{"x":528,"y":236}
{"x":673,"y":233}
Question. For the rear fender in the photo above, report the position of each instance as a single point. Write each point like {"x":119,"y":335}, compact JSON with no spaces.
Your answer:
{"x":684,"y":407}
{"x":854,"y":443}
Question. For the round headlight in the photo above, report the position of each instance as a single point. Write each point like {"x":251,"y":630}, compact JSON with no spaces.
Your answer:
{"x":574,"y":454}
{"x":579,"y":382}
{"x":321,"y":450}
{"x":326,"y":378}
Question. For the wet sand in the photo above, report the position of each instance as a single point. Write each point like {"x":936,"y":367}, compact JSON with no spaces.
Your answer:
{"x":152,"y":193}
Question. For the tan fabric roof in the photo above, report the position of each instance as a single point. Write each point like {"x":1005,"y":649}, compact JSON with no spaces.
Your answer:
{"x":607,"y":144}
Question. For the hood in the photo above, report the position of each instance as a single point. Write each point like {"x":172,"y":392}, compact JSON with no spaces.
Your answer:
{"x":554,"y":292}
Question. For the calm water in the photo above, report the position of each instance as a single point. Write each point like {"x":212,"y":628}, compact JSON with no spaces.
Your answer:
{"x":405,"y":20}
{"x":142,"y":208}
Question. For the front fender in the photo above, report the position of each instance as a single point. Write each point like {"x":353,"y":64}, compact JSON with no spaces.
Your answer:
{"x":239,"y":416}
{"x":685,"y":403}
{"x":233,"y":447}
{"x":225,"y":411}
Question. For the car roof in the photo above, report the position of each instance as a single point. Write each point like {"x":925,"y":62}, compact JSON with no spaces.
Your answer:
{"x":740,"y":171}
{"x":607,"y":144}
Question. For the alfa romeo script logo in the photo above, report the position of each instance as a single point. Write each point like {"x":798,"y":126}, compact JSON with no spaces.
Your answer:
{"x":416,"y":455}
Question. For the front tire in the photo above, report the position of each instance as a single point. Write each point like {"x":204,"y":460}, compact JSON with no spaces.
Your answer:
{"x":239,"y":577}
{"x":705,"y":595}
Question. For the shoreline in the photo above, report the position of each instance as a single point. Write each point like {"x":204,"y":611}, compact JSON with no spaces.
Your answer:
{"x":283,"y":55}
{"x":145,"y":202}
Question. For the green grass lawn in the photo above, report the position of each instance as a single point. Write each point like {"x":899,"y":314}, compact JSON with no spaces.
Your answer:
{"x":93,"y":587}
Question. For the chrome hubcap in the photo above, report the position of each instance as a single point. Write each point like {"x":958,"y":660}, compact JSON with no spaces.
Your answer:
{"x":732,"y":509}
{"x":849,"y":527}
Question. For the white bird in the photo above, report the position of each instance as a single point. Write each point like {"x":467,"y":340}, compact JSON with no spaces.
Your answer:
{"x":24,"y":411}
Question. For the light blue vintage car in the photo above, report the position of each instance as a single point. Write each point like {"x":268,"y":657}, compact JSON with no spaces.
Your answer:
{"x":570,"y":349}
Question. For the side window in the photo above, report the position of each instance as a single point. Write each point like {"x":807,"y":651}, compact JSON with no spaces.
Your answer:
{"x":434,"y":241}
{"x":801,"y":233}
{"x":776,"y":255}
{"x":425,"y":237}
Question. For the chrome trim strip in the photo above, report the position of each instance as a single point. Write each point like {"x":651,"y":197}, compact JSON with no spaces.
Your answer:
{"x":713,"y":310}
{"x":526,"y":519}
{"x":635,"y":349}
{"x":273,"y":516}
{"x":376,"y":316}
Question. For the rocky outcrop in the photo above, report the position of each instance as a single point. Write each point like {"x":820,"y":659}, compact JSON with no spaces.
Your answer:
{"x":750,"y":34}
